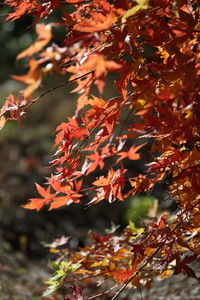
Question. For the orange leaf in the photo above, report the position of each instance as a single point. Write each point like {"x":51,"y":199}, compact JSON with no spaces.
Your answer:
{"x":60,"y":201}
{"x":101,"y":67}
{"x":44,"y":32}
{"x":122,"y":275}
{"x":131,"y":154}
{"x":97,"y":161}
{"x":32,"y":78}
{"x":35,"y":203}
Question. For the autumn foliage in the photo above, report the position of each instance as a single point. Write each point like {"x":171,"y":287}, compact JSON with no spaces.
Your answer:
{"x":149,"y":50}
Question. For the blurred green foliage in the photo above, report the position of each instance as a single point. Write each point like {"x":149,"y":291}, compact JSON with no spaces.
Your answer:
{"x":14,"y":37}
{"x":138,"y":208}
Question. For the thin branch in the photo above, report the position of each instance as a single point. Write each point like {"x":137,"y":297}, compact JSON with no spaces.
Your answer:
{"x":138,"y":271}
{"x":62,"y":84}
{"x":93,"y":129}
{"x":144,"y":264}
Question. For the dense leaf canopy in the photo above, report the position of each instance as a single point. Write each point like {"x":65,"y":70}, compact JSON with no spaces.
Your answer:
{"x":149,"y":50}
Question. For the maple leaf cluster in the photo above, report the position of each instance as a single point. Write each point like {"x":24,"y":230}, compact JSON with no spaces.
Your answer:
{"x":151,"y":48}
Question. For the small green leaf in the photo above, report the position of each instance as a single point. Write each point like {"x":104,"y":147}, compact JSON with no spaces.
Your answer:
{"x":61,"y":271}
{"x":134,"y":229}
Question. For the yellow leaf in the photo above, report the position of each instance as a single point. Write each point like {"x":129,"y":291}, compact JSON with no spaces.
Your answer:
{"x":102,"y":263}
{"x":2,"y":122}
{"x":149,"y":251}
{"x":167,"y":154}
{"x":188,"y":114}
{"x":142,"y":4}
{"x":142,"y":101}
{"x":53,"y":250}
{"x":167,"y":273}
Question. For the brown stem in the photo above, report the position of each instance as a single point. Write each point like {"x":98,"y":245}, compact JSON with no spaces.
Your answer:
{"x":137,"y":272}
{"x":62,"y":84}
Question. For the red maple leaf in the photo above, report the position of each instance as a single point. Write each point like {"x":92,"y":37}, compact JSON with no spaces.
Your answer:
{"x":131,"y":154}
